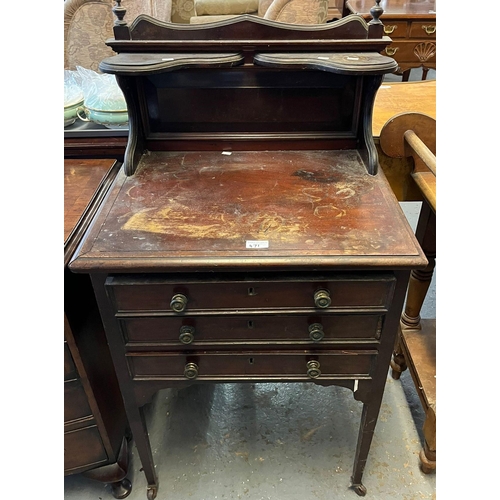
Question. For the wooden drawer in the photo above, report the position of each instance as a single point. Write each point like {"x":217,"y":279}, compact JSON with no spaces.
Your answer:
{"x":345,"y":292}
{"x":395,"y":29}
{"x":193,"y":331}
{"x":412,"y":52}
{"x":425,"y":29}
{"x":282,"y":365}
{"x":76,"y":405}
{"x":83,"y":448}
{"x":70,"y":372}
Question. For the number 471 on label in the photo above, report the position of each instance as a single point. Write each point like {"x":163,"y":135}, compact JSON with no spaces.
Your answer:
{"x":257,"y":244}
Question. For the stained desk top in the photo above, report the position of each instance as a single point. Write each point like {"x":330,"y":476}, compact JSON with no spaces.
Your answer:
{"x":288,"y":209}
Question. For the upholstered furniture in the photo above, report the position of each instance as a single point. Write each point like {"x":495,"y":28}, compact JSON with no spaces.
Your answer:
{"x":218,"y":10}
{"x":298,"y":11}
{"x":182,"y":11}
{"x":89,"y":23}
{"x":286,"y":11}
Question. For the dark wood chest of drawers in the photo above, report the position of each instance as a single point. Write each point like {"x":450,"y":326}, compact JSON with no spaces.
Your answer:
{"x":251,"y":327}
{"x":412,"y":28}
{"x":250,"y":235}
{"x":95,"y":422}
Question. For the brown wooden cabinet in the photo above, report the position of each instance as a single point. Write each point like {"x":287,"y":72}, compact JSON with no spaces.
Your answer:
{"x":250,"y":235}
{"x":412,"y":28}
{"x":95,"y":423}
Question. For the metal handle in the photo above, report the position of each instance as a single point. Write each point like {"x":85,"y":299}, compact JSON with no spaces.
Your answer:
{"x":322,"y":299}
{"x":390,"y":29}
{"x":178,"y":302}
{"x":191,"y":371}
{"x":313,"y":370}
{"x":316,"y":332}
{"x":430,"y":30}
{"x":391,"y":51}
{"x":186,"y":334}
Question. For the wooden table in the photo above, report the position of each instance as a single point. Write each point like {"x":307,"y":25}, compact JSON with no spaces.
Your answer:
{"x":412,"y":27}
{"x":250,"y":236}
{"x":393,"y":99}
{"x":400,"y":97}
{"x":94,"y":417}
{"x":414,"y":135}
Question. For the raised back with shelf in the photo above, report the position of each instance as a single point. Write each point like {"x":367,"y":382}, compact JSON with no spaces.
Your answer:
{"x":244,"y":84}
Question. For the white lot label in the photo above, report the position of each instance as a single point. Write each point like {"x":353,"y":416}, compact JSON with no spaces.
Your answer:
{"x":257,"y":244}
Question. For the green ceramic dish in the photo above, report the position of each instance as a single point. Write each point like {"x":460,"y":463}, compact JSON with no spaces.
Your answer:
{"x":110,"y":119}
{"x":70,"y":110}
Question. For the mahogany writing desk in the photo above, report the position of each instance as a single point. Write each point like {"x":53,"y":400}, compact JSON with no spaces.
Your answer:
{"x":250,"y":235}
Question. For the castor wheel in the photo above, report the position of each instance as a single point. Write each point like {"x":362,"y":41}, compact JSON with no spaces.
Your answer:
{"x":359,"y":489}
{"x":152,"y":491}
{"x":121,"y":489}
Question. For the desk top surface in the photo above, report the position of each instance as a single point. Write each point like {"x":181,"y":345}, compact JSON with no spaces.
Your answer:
{"x":289,"y":209}
{"x":81,"y":180}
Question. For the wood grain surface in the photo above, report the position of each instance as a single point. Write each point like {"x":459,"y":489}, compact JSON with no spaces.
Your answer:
{"x":296,"y":204}
{"x":400,"y":97}
{"x":81,"y":179}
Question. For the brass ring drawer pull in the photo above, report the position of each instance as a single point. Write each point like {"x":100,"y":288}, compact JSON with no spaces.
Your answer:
{"x":430,"y":30}
{"x":191,"y":371}
{"x":178,"y":302}
{"x":390,"y":29}
{"x":390,"y":51}
{"x":316,"y":332}
{"x":313,"y":370}
{"x":186,"y":334}
{"x":322,"y":299}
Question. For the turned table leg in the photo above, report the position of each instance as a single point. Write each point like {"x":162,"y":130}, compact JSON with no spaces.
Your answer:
{"x":398,"y":363}
{"x":420,"y":280}
{"x":428,"y":453}
{"x":406,"y":75}
{"x":418,"y":287}
{"x":411,"y":322}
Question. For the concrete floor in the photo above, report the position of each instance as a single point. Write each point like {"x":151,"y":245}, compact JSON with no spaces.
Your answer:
{"x":277,"y":441}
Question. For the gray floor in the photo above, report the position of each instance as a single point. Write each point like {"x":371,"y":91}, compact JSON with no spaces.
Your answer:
{"x":277,"y":441}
